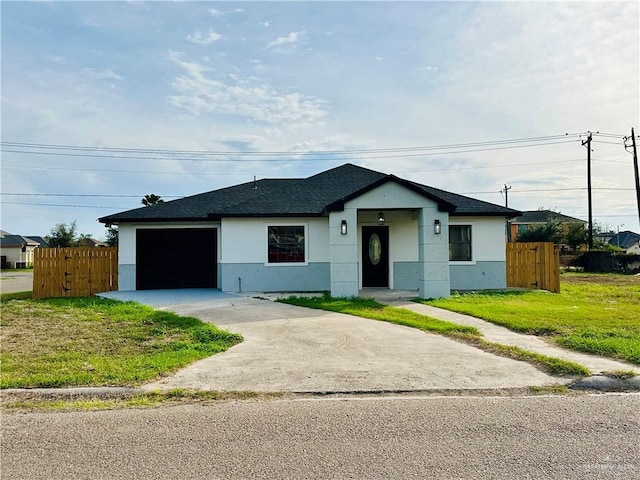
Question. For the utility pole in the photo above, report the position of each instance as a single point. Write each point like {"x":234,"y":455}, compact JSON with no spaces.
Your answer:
{"x":506,"y":195}
{"x":635,"y":169}
{"x":506,"y":204}
{"x":587,"y":142}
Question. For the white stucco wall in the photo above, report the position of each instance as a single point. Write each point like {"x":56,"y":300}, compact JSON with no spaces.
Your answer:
{"x":16,"y":255}
{"x":244,"y":240}
{"x":487,"y":238}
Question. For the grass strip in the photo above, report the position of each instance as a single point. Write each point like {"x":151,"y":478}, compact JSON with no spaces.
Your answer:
{"x":98,"y":342}
{"x":593,"y":314}
{"x":369,"y":308}
{"x":152,"y":399}
{"x":5,"y":297}
{"x":552,"y":365}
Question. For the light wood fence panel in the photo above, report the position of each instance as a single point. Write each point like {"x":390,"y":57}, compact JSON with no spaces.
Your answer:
{"x":74,"y":271}
{"x":533,"y":265}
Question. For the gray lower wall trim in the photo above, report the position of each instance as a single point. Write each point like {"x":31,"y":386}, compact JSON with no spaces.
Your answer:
{"x":126,"y":277}
{"x":406,"y":275}
{"x":256,"y":277}
{"x":482,"y":275}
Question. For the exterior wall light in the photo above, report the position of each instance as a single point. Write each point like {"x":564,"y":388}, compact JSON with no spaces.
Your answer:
{"x":343,"y":227}
{"x":381,"y":218}
{"x":437,"y":227}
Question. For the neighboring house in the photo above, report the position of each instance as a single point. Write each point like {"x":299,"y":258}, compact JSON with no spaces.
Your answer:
{"x":340,"y":230}
{"x":628,"y":241}
{"x":532,"y":218}
{"x":91,"y":242}
{"x":16,"y":251}
{"x":42,"y":243}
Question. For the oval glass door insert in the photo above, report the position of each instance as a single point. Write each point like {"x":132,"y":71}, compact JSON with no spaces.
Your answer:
{"x":375,"y":249}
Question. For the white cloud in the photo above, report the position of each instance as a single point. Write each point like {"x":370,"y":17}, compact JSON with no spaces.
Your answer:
{"x":265,"y":23}
{"x":290,"y":39}
{"x":104,"y":74}
{"x":215,"y":13}
{"x":204,"y":38}
{"x":427,"y":68}
{"x":247,"y":97}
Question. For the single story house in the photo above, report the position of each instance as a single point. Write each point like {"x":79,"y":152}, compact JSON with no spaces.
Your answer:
{"x":16,"y":251}
{"x":530,"y":218}
{"x":341,"y":230}
{"x":629,"y":241}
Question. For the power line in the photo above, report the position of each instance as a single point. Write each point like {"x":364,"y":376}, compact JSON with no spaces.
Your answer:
{"x":242,"y":174}
{"x":561,"y":189}
{"x":81,"y":195}
{"x":97,"y":195}
{"x":345,"y":151}
{"x":290,"y":155}
{"x":59,"y":205}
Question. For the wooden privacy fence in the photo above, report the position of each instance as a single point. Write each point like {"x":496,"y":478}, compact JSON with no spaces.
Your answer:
{"x":74,"y":271}
{"x":533,"y":265}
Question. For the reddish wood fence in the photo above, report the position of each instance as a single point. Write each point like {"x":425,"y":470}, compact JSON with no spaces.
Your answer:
{"x":74,"y":272}
{"x":533,"y":265}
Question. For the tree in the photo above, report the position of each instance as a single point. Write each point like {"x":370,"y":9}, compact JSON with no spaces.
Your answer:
{"x":547,"y":232}
{"x":112,"y":236}
{"x":62,"y":235}
{"x":151,"y":199}
{"x":576,"y":236}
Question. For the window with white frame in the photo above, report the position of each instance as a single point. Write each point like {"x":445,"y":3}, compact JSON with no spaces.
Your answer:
{"x":286,"y":244}
{"x":460,"y":243}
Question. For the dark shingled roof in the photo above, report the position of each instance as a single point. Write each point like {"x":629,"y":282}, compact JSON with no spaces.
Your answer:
{"x":7,"y":241}
{"x":313,"y":196}
{"x":626,"y":239}
{"x":543,"y":216}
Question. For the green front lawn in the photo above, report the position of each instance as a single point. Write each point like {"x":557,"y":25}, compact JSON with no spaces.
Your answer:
{"x":592,"y":313}
{"x":92,"y":341}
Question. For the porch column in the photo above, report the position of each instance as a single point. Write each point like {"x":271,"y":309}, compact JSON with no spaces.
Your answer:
{"x":344,"y":253}
{"x":433,"y":254}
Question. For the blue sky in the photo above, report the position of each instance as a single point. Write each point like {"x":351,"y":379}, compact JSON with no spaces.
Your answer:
{"x":290,"y":78}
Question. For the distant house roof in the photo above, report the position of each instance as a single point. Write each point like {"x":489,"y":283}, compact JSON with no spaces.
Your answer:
{"x":625,"y":239}
{"x":10,"y":241}
{"x":544,"y":216}
{"x":313,"y":196}
{"x":4,"y":234}
{"x":41,"y":241}
{"x":92,"y":242}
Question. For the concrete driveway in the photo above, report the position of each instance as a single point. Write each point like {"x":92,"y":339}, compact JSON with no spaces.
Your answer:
{"x":16,"y":281}
{"x":295,"y":349}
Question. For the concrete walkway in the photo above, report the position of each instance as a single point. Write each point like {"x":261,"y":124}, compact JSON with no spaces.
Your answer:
{"x":495,"y":333}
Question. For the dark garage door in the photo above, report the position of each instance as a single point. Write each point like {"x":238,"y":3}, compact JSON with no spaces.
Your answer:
{"x":176,"y":258}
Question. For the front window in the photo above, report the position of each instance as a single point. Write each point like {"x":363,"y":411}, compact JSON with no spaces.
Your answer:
{"x":286,"y":244}
{"x":460,"y":243}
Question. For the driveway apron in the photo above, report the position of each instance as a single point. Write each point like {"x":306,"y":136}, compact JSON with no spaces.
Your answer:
{"x":295,"y":349}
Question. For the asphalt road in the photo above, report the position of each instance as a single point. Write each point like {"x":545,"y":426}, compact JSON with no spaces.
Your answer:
{"x":431,"y":437}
